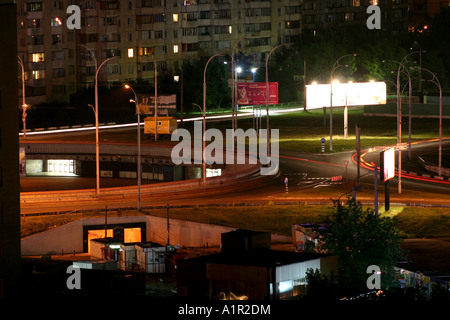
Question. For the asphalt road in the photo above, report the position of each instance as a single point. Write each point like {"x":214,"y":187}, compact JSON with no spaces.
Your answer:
{"x":305,"y":171}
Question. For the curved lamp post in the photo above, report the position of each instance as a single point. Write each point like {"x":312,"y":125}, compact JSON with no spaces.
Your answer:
{"x":138,"y":111}
{"x":233,"y":107}
{"x":267,"y":94}
{"x":156,"y":97}
{"x":97,"y":156}
{"x":204,"y":115}
{"x":436,"y":81}
{"x":401,"y":66}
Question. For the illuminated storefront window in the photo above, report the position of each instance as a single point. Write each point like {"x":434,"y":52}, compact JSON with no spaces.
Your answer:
{"x":61,"y":166}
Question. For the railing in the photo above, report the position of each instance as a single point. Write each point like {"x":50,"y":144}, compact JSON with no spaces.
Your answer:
{"x":432,"y":165}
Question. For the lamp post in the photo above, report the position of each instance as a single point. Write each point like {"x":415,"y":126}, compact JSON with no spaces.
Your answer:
{"x":401,"y":66}
{"x":253,"y":107}
{"x":267,"y":94}
{"x":253,"y":72}
{"x":203,"y":143}
{"x":335,"y":66}
{"x":156,"y":97}
{"x":233,"y":102}
{"x":24,"y":104}
{"x":204,"y":114}
{"x":237,"y":71}
{"x":436,"y":81}
{"x":97,"y":152}
{"x":138,"y":111}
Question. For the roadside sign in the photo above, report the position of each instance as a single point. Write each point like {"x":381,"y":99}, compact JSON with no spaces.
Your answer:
{"x":254,"y":93}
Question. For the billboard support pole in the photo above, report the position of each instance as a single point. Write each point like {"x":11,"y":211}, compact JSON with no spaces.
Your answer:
{"x":345,"y":118}
{"x":358,"y":151}
{"x":375,"y":171}
{"x":386,"y":195}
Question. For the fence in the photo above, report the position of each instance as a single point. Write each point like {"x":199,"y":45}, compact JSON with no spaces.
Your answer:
{"x":432,"y":165}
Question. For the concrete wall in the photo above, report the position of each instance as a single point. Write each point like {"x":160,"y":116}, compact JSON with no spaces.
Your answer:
{"x":69,"y":238}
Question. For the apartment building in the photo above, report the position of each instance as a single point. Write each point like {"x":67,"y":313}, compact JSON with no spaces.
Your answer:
{"x":423,"y":11}
{"x":319,"y":15}
{"x":133,"y":34}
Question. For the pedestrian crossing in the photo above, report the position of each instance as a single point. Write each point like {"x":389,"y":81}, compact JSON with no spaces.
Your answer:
{"x":303,"y":180}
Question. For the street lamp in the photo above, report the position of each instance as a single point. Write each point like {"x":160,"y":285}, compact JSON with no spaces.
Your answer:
{"x":203,"y":144}
{"x":237,"y":71}
{"x":436,"y":81}
{"x":335,"y":66}
{"x":156,"y":97}
{"x":233,"y":102}
{"x":204,"y":113}
{"x":138,"y":111}
{"x":267,"y":94}
{"x":401,"y":66}
{"x":254,"y":71}
{"x":97,"y":153}
{"x":253,"y":107}
{"x":24,"y":104}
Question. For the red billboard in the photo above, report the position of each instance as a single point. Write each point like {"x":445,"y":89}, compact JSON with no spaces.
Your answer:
{"x":255,"y":93}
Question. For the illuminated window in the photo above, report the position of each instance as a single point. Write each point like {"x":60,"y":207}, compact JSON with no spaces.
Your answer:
{"x":56,"y":22}
{"x":34,"y":6}
{"x":60,"y":166}
{"x":175,"y":48}
{"x":175,"y":17}
{"x":230,"y":29}
{"x":147,"y":51}
{"x":37,"y":57}
{"x":38,"y":74}
{"x":130,"y":53}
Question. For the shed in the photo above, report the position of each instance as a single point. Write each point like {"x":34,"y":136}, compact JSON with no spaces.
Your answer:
{"x":151,"y":257}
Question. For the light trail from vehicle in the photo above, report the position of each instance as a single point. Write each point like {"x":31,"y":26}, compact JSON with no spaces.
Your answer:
{"x":127,"y":125}
{"x":371,"y":165}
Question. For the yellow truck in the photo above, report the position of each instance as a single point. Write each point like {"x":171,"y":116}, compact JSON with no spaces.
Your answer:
{"x":166,"y":125}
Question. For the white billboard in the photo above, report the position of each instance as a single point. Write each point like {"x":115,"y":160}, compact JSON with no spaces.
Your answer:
{"x":345,"y":94}
{"x":389,"y":163}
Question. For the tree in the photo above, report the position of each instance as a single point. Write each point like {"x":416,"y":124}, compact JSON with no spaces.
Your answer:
{"x":360,"y":238}
{"x":218,"y":92}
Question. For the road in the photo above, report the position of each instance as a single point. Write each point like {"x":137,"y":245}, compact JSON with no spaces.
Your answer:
{"x":305,"y":172}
